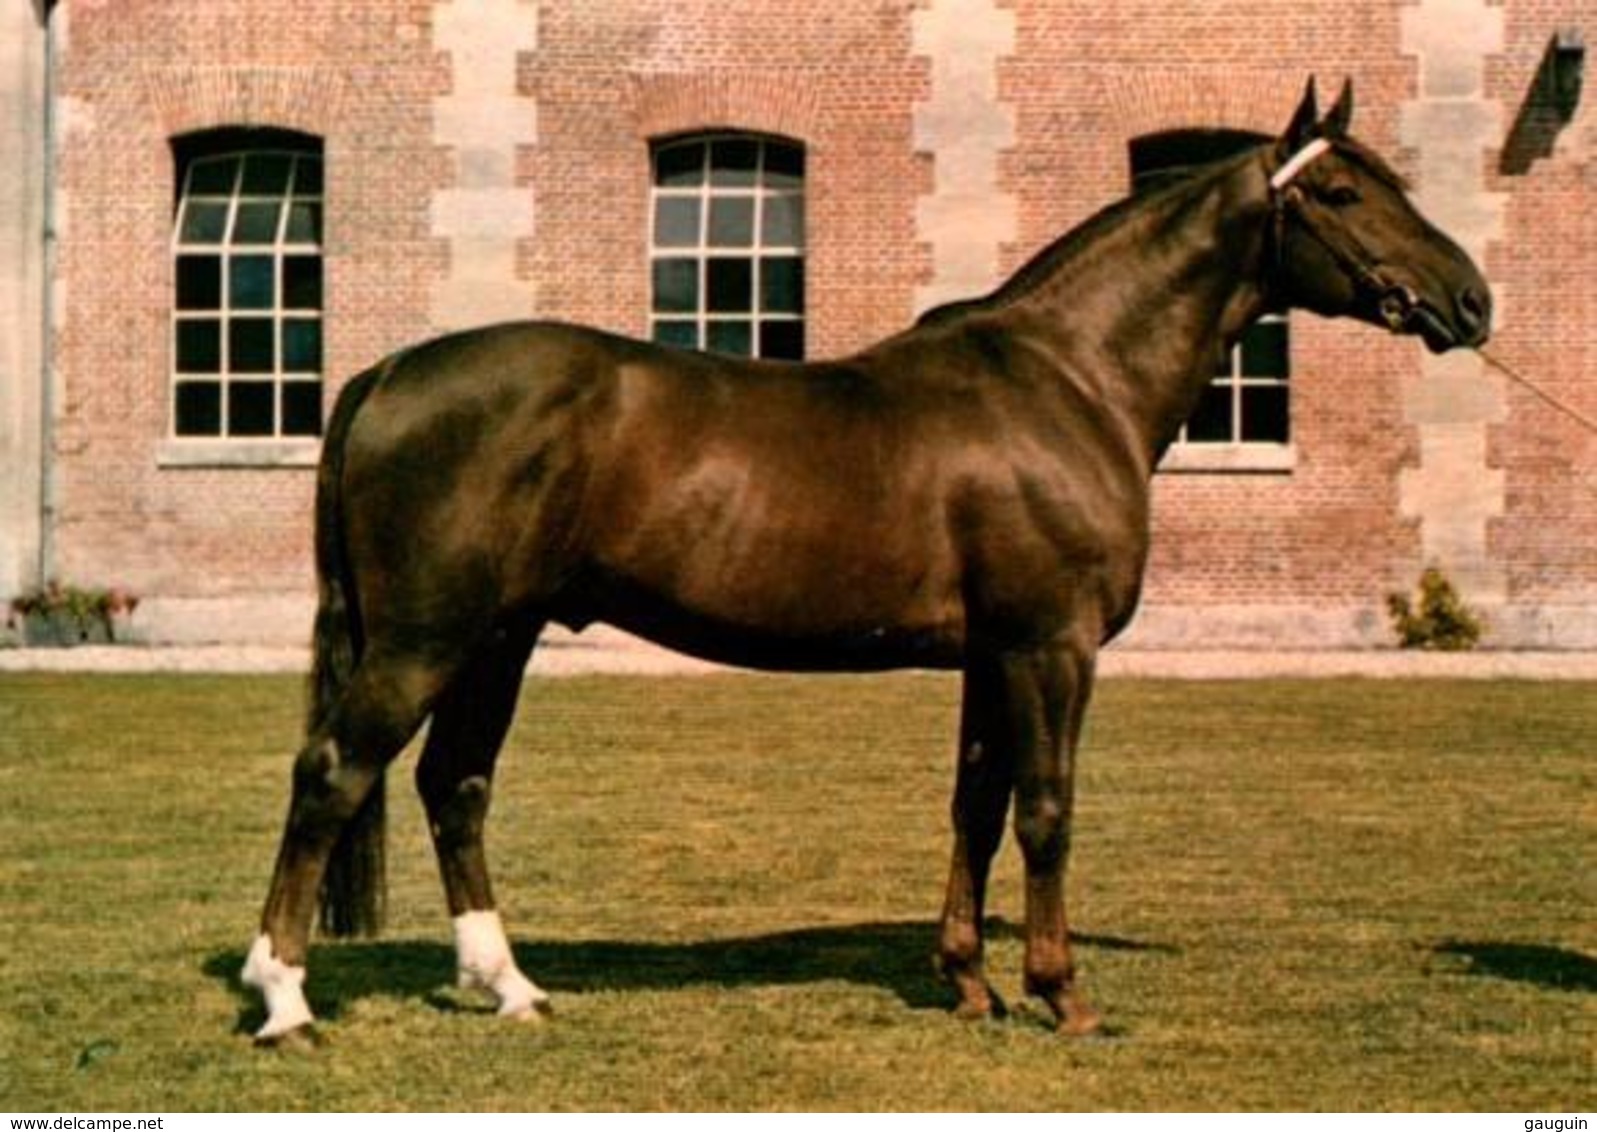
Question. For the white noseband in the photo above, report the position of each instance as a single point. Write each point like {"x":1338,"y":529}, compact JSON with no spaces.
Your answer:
{"x":1297,"y":163}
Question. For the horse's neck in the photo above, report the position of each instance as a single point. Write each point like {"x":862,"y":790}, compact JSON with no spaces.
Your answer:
{"x":1141,"y":313}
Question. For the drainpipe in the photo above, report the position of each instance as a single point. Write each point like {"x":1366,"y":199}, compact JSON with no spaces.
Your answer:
{"x":47,"y":391}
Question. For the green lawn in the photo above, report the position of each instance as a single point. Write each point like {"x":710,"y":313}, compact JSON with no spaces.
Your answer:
{"x":1340,"y":895}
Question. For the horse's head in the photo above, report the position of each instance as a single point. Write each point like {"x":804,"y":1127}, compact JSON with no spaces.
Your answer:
{"x":1349,"y":242}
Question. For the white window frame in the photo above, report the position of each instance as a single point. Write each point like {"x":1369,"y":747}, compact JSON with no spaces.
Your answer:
{"x":761,"y":192}
{"x":1235,"y":454}
{"x":226,"y":447}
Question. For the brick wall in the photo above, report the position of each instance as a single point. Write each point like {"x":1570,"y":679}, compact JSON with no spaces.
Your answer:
{"x":608,"y":76}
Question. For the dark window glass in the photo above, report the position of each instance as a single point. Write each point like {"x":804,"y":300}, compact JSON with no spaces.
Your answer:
{"x":676,"y":285}
{"x":734,"y":162}
{"x":1265,"y":414}
{"x":302,"y":408}
{"x":302,"y":282}
{"x":782,"y":284}
{"x":731,"y":222}
{"x":302,"y":345}
{"x":1211,"y":423}
{"x":249,"y":408}
{"x":676,"y":222}
{"x":199,"y":345}
{"x":783,"y":340}
{"x":783,"y":222}
{"x":679,"y":166}
{"x":256,"y":222}
{"x":249,"y":345}
{"x":213,"y":178}
{"x":250,"y":281}
{"x":730,"y":337}
{"x":677,"y":334}
{"x":266,"y":174}
{"x":198,"y":408}
{"x":784,"y":166}
{"x":304,"y":223}
{"x":199,"y":283}
{"x":730,"y":285}
{"x":308,"y":181}
{"x":1264,"y":350}
{"x":204,"y":222}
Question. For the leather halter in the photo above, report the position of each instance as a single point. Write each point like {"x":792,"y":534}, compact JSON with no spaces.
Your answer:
{"x":1396,"y":303}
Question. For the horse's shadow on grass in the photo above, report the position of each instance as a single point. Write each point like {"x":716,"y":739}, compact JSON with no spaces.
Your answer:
{"x":1554,"y":968}
{"x":894,"y":956}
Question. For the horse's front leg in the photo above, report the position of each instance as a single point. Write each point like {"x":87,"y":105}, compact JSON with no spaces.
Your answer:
{"x":1045,"y":702}
{"x":984,"y":780}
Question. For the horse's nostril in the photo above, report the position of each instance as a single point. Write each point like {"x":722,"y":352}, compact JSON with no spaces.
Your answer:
{"x":1475,"y":309}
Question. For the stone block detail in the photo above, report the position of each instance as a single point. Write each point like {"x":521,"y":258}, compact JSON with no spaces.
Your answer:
{"x":483,"y":120}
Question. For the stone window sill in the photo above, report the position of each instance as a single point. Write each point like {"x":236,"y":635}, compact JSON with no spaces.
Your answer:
{"x":210,"y":453}
{"x":1265,"y":459}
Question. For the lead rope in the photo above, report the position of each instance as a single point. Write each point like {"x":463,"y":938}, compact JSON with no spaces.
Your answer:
{"x":1520,"y":379}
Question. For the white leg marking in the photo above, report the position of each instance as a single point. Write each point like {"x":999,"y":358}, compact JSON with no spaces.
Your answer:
{"x":281,"y":985}
{"x":485,"y":961}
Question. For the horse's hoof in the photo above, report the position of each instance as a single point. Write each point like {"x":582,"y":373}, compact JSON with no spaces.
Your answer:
{"x":1083,"y":1022}
{"x":299,"y":1039}
{"x":535,"y":1013}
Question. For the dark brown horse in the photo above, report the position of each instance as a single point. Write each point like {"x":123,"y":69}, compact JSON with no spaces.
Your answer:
{"x":971,"y":494}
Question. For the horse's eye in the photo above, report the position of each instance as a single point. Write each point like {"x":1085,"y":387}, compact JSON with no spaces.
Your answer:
{"x":1341,"y":195}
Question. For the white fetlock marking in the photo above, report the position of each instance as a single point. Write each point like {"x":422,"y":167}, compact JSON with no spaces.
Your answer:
{"x":485,"y":960}
{"x":281,"y":985}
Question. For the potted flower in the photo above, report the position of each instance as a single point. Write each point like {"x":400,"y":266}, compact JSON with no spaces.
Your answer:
{"x":60,"y":616}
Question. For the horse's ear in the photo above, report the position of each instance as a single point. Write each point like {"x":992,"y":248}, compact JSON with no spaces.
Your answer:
{"x":1304,"y":122}
{"x":1341,"y":115}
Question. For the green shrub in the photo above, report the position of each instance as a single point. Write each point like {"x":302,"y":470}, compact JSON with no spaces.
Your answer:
{"x":1439,"y":620}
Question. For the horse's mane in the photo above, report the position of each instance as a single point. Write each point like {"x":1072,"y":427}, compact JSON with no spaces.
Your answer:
{"x":1147,"y":188}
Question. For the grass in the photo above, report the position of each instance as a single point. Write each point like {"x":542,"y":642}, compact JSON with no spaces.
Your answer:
{"x":1333,"y":895}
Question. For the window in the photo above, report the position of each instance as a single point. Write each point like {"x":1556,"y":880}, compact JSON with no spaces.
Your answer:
{"x":247,"y":309}
{"x":1248,"y":402}
{"x":727,"y":246}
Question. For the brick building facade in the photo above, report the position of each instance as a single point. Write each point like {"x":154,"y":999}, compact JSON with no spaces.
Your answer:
{"x":246,"y":201}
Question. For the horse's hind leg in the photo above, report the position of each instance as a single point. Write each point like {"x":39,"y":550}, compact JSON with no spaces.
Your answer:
{"x":981,"y":799}
{"x":455,"y":779}
{"x":386,"y":700}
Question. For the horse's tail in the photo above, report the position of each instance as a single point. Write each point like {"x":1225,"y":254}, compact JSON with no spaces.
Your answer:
{"x":353,"y":892}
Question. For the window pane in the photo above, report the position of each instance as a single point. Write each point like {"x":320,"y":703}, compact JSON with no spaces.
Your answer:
{"x":734,"y":162}
{"x":784,"y":166}
{"x":304,"y":223}
{"x":730,"y":338}
{"x":198,"y":409}
{"x":679,"y":165}
{"x":199,"y":282}
{"x":302,"y":408}
{"x":199,"y":345}
{"x":256,"y":222}
{"x":677,"y":334}
{"x":783,"y":340}
{"x":676,"y":222}
{"x":250,"y":282}
{"x":249,"y":346}
{"x":266,"y":174}
{"x":214,"y":177}
{"x":783,"y":223}
{"x":249,"y":408}
{"x":302,"y":282}
{"x":782,"y":284}
{"x":308,"y":181}
{"x":1265,"y":414}
{"x":204,"y":222}
{"x":731,"y":222}
{"x":1264,"y":350}
{"x":676,"y":285}
{"x":730,"y":283}
{"x":1211,"y":423}
{"x":302,"y":345}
